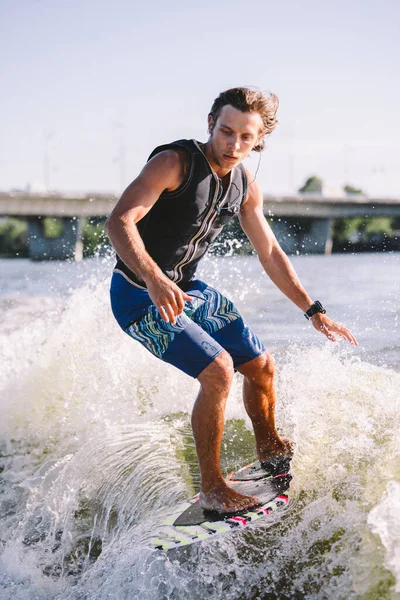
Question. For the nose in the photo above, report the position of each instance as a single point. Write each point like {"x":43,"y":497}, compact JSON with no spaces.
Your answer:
{"x":234,"y":142}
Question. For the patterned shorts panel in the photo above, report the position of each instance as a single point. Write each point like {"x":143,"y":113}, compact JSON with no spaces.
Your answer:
{"x":209,"y":325}
{"x":211,"y":310}
{"x":154,"y":333}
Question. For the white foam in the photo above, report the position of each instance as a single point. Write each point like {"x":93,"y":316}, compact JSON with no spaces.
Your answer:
{"x":384,"y":521}
{"x":96,"y":438}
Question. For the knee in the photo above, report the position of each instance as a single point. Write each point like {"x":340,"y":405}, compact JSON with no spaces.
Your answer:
{"x":219,"y":373}
{"x":268,"y":365}
{"x":262,"y":369}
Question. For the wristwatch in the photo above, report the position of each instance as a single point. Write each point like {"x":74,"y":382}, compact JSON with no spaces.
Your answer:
{"x":314,"y":309}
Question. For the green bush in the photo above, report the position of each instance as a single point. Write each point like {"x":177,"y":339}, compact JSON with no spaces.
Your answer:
{"x":344,"y":228}
{"x":52,"y":227}
{"x":94,"y":239}
{"x":13,"y":237}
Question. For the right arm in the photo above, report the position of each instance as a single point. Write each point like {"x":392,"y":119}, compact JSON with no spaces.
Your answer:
{"x":166,"y":171}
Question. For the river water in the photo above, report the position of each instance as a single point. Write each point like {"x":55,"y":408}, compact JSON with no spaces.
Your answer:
{"x":95,"y":443}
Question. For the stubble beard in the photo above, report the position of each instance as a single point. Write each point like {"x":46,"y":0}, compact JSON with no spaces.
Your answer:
{"x":215,"y":156}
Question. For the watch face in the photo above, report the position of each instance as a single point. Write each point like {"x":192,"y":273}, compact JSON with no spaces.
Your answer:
{"x":315,"y":308}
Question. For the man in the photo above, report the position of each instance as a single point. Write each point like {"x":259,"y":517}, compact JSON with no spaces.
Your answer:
{"x":160,"y":229}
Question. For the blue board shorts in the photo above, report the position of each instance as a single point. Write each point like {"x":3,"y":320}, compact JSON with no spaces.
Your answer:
{"x":208,"y":325}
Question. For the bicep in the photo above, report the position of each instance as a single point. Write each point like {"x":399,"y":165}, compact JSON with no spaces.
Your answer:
{"x":256,"y":227}
{"x":137,"y":199}
{"x":163,"y":172}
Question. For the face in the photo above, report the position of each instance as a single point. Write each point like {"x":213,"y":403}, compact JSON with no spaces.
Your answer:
{"x":233,"y":136}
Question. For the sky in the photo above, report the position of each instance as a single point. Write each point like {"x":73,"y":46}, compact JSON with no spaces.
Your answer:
{"x":90,"y":87}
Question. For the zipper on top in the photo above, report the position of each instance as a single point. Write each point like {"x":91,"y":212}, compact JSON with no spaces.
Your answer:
{"x":218,"y":202}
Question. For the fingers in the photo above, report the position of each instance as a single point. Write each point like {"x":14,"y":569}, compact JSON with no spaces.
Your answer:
{"x":343,"y":333}
{"x":330,"y":328}
{"x":174,"y":306}
{"x":168,"y":298}
{"x":181,"y":298}
{"x":171,"y":312}
{"x":168,"y":309}
{"x":163,"y":313}
{"x":347,"y":335}
{"x":328,"y":334}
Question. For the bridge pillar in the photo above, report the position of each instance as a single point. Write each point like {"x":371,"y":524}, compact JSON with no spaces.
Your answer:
{"x":319,"y":239}
{"x":286,"y":235}
{"x":304,"y":235}
{"x":67,"y":245}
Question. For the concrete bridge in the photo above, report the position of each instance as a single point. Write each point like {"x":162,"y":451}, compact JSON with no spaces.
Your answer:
{"x":301,"y":223}
{"x":68,"y":209}
{"x":304,"y":223}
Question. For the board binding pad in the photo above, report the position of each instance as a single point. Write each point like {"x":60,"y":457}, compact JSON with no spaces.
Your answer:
{"x":274,"y":467}
{"x":190,"y":523}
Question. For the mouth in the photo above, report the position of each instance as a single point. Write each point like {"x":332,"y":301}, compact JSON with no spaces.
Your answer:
{"x":230,"y":157}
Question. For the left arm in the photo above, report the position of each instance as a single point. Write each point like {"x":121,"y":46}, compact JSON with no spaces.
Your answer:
{"x":277,"y":265}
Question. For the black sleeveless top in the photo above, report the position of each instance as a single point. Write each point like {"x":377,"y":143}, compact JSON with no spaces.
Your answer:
{"x":182,"y":224}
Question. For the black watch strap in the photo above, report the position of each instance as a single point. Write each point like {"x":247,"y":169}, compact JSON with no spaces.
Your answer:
{"x":315,"y":308}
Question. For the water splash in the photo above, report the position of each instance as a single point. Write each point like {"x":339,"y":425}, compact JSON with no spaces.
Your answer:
{"x":96,"y":445}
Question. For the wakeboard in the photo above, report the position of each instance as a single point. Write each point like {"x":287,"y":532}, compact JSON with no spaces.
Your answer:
{"x":189,"y":523}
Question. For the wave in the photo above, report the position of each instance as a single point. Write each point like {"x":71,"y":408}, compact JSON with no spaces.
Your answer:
{"x":96,"y":447}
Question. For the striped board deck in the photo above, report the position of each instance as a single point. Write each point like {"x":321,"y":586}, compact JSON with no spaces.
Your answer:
{"x":189,"y":523}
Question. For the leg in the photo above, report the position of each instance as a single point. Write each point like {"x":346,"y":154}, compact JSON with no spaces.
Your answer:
{"x":208,"y":418}
{"x":218,"y":315}
{"x":208,"y":427}
{"x":259,"y":401}
{"x":191,"y":349}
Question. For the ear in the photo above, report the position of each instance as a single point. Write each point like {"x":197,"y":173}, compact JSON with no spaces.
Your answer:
{"x":210,"y":123}
{"x":260,"y":142}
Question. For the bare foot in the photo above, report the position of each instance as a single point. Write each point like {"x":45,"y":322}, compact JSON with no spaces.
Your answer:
{"x":224,"y":499}
{"x":277,"y":448}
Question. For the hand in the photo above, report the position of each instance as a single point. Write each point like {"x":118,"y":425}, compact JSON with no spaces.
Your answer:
{"x":325,"y":325}
{"x":168,"y":297}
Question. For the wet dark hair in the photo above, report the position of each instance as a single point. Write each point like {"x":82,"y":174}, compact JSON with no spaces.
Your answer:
{"x":248,"y":100}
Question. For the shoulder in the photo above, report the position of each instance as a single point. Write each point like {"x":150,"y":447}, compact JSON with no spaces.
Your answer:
{"x":170,"y":165}
{"x":174,"y":154}
{"x":171,"y":157}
